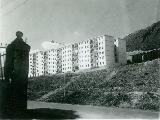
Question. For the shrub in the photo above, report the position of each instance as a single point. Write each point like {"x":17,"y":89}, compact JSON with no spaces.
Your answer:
{"x":114,"y":99}
{"x":89,"y":87}
{"x":77,"y":97}
{"x":148,"y":102}
{"x":38,"y":86}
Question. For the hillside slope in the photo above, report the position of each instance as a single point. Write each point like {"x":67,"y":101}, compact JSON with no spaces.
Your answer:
{"x":144,"y":39}
{"x":133,"y":86}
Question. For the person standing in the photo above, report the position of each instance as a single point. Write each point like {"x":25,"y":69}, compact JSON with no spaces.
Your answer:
{"x":16,"y":72}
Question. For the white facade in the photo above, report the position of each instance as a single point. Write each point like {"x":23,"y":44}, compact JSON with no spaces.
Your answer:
{"x":96,"y":52}
{"x":84,"y":55}
{"x":31,"y":65}
{"x":3,"y":48}
{"x":3,"y":56}
{"x":39,"y":63}
{"x":51,"y":61}
{"x":101,"y":51}
{"x":2,"y":59}
{"x":67,"y":58}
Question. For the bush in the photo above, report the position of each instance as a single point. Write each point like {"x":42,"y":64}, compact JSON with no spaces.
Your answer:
{"x":148,"y":102}
{"x":114,"y":99}
{"x":38,"y":86}
{"x":89,"y":87}
{"x":77,"y":97}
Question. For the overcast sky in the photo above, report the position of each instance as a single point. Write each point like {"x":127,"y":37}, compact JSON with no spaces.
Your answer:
{"x":69,"y":21}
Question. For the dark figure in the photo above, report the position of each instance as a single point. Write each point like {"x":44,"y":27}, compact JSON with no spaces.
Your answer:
{"x":16,"y":72}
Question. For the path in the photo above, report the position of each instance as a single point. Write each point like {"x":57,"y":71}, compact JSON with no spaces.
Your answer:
{"x":95,"y":112}
{"x":44,"y":97}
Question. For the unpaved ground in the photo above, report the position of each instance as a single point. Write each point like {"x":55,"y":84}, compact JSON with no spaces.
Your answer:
{"x":95,"y":112}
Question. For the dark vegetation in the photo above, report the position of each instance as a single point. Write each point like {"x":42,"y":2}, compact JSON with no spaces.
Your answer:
{"x":39,"y":86}
{"x":145,"y":39}
{"x":132,"y":86}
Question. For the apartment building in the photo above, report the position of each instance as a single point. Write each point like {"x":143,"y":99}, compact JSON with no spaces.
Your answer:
{"x":106,"y":53}
{"x":39,"y":63}
{"x":101,"y":51}
{"x":59,"y":60}
{"x":84,"y":55}
{"x":31,"y":65}
{"x":2,"y":59}
{"x":50,"y":62}
{"x":94,"y":52}
{"x":75,"y":57}
{"x":67,"y":58}
{"x":3,"y":48}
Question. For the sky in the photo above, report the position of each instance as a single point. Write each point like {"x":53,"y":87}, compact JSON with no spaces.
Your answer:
{"x":70,"y":21}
